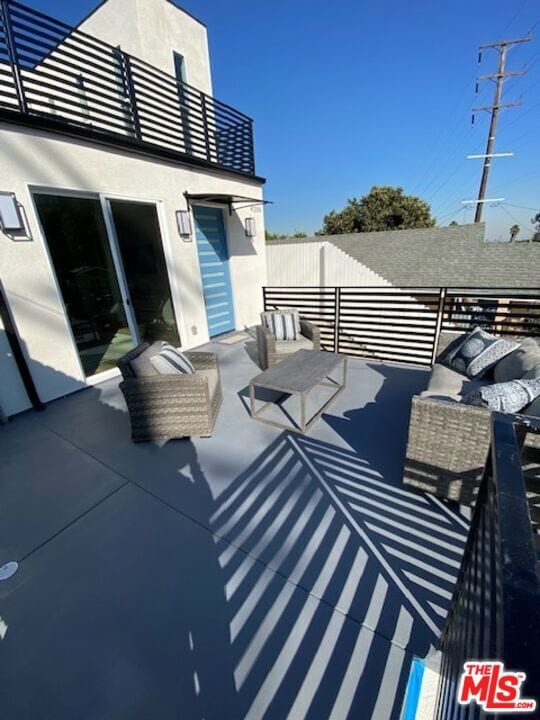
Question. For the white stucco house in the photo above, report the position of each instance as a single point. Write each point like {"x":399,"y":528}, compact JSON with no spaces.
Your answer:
{"x":138,"y":212}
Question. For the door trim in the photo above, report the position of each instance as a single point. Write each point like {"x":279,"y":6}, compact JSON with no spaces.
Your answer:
{"x":119,"y":268}
{"x":167,"y":254}
{"x":45,"y":246}
{"x":103,"y":198}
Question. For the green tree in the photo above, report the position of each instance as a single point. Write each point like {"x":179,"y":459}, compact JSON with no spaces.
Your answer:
{"x":536,"y":222}
{"x":383,"y":208}
{"x":453,"y":223}
{"x":270,"y":236}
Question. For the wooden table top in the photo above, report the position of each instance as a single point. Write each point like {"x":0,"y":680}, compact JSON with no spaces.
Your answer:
{"x":300,"y":372}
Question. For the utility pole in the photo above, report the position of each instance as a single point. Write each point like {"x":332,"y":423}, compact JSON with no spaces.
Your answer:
{"x":498,"y":78}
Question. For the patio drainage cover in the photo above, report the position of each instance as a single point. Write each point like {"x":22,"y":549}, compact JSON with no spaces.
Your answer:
{"x":7,"y":570}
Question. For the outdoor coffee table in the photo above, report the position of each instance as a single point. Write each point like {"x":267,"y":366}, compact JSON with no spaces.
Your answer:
{"x":298,"y":374}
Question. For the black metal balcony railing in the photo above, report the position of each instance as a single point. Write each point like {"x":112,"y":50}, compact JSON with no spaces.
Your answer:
{"x":58,"y":76}
{"x":495,"y":610}
{"x":403,"y":324}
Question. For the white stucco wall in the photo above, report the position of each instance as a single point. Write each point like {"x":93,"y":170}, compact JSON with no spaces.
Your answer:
{"x":317,"y":263}
{"x":152,"y":30}
{"x":29,"y":159}
{"x":12,"y":392}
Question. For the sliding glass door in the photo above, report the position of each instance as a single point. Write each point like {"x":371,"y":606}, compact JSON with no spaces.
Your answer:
{"x":136,"y":227}
{"x":110,"y":267}
{"x":83,"y":262}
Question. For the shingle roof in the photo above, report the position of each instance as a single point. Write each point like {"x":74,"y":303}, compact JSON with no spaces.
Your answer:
{"x":445,"y":256}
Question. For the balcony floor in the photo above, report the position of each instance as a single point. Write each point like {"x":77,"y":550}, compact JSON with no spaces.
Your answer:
{"x":256,"y":574}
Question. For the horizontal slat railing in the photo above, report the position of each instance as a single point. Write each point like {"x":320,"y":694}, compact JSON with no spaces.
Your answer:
{"x":51,"y":71}
{"x":495,"y":609}
{"x":403,"y":324}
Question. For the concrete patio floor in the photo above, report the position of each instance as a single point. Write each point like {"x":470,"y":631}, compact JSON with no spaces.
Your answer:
{"x":256,"y":574}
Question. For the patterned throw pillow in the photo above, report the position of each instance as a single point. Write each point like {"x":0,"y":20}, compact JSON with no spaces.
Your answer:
{"x":477,"y":353}
{"x":283,"y":325}
{"x":511,"y":396}
{"x":170,"y":361}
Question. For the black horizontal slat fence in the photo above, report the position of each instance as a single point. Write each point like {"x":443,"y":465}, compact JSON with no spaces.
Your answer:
{"x":495,"y":609}
{"x":50,"y":71}
{"x":403,"y":324}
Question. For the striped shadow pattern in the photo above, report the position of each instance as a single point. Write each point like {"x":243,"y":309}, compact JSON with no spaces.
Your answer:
{"x":369,"y":572}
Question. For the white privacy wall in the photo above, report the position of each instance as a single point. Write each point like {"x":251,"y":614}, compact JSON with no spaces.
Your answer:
{"x":316,"y":263}
{"x":322,"y":264}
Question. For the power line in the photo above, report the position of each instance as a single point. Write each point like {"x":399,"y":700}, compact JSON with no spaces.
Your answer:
{"x":519,"y":117}
{"x":522,"y":207}
{"x":516,"y":14}
{"x":520,"y":177}
{"x":514,"y":218}
{"x":444,"y":134}
{"x":432,"y":172}
{"x":457,"y":191}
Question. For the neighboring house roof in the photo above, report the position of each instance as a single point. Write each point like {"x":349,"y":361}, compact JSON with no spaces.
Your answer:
{"x":441,"y":256}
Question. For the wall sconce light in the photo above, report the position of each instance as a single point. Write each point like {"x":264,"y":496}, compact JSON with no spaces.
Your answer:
{"x":250,"y":227}
{"x":183,"y":223}
{"x":10,"y":215}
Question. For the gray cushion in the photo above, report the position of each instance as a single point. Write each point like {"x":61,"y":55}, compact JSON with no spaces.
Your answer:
{"x":533,"y":373}
{"x":266,"y":315}
{"x":445,"y":382}
{"x":518,"y":362}
{"x":512,"y":396}
{"x":170,"y":361}
{"x":534,"y":407}
{"x":284,"y":347}
{"x":477,"y":353}
{"x":141,"y":365}
{"x":283,"y":325}
{"x":448,"y":343}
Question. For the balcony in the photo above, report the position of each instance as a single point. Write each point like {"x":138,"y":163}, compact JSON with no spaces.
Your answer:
{"x":259,"y":573}
{"x":256,"y":574}
{"x":55,"y":77}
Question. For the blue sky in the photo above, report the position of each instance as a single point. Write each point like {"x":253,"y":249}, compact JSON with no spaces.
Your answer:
{"x":349,"y":94}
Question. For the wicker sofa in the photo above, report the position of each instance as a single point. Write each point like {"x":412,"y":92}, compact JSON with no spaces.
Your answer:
{"x":448,"y":442}
{"x":163,"y":407}
{"x":272,"y":351}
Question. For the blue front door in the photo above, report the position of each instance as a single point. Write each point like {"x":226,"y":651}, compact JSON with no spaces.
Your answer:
{"x":214,"y":262}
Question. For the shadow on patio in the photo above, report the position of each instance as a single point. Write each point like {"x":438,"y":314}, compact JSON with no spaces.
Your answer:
{"x":157,"y":581}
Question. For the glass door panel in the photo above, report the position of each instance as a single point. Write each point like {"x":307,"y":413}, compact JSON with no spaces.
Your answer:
{"x":139,"y":241}
{"x":81,"y":254}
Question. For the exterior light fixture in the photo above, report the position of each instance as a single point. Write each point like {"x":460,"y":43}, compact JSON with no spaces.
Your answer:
{"x":250,"y":227}
{"x":183,"y":223}
{"x":10,"y":214}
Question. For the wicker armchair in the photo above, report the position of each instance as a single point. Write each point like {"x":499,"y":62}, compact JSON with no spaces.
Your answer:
{"x":163,"y":407}
{"x":448,"y":445}
{"x":271,"y":351}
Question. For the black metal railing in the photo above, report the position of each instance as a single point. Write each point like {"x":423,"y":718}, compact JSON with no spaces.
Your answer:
{"x":403,"y":324}
{"x":495,"y":609}
{"x":52,"y":73}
